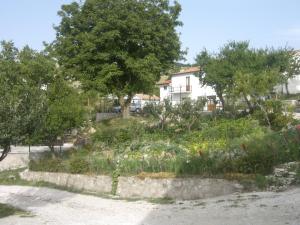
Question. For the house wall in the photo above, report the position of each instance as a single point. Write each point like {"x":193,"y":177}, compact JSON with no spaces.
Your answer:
{"x":180,"y":80}
{"x":197,"y":89}
{"x":164,"y":94}
{"x":293,"y":86}
{"x":179,"y":83}
{"x":177,"y":97}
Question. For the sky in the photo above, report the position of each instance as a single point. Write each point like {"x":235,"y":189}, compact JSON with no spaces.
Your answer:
{"x":207,"y":23}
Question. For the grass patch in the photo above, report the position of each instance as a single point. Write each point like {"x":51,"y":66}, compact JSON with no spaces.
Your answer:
{"x":161,"y":175}
{"x":161,"y":201}
{"x":7,"y":210}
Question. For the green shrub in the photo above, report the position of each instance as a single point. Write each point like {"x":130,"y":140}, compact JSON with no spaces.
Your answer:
{"x":261,"y":181}
{"x":260,"y":153}
{"x":120,"y":132}
{"x":7,"y":210}
{"x":47,"y":165}
{"x":78,"y":165}
{"x":229,"y":129}
{"x":101,"y":165}
{"x":275,"y":112}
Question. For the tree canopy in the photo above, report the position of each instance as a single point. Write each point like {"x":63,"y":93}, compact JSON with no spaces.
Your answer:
{"x":244,"y":72}
{"x":118,"y":47}
{"x":36,"y":104}
{"x":64,"y":111}
{"x":21,"y":93}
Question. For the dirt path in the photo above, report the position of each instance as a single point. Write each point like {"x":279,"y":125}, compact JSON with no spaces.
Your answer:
{"x":54,"y":207}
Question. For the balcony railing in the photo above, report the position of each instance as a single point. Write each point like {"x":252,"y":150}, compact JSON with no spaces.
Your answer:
{"x":181,"y":89}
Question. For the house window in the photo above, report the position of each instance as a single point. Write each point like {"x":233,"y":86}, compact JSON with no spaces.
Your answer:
{"x":188,"y":83}
{"x":165,"y":88}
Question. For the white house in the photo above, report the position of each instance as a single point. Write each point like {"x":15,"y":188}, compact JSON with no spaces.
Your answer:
{"x":186,"y":84}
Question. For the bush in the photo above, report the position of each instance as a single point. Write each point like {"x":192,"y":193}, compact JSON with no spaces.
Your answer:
{"x":78,"y":165}
{"x":47,"y":165}
{"x":163,"y":113}
{"x":115,"y":132}
{"x":278,"y":115}
{"x":188,"y":112}
{"x":102,"y":165}
{"x":229,"y":129}
{"x":261,"y":152}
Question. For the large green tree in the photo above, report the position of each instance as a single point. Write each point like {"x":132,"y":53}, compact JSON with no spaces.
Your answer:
{"x":38,"y":69}
{"x":288,"y":63}
{"x":118,"y":47}
{"x":36,"y":104}
{"x":64,"y":111}
{"x":244,"y":72}
{"x":215,"y":72}
{"x":21,"y":99}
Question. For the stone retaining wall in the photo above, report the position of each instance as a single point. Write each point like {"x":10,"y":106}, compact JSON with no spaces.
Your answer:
{"x":101,"y":184}
{"x":134,"y":187}
{"x":175,"y":188}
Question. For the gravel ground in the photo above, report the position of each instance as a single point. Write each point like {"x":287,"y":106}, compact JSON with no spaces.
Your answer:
{"x":54,"y":207}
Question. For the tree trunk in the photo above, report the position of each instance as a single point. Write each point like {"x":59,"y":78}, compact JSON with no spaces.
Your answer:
{"x":125,"y":106}
{"x":162,"y":123}
{"x":220,"y":96}
{"x":222,"y":101}
{"x":265,"y":115}
{"x":52,"y":149}
{"x":248,"y":103}
{"x":287,"y":88}
{"x":6,"y":150}
{"x":125,"y":111}
{"x":189,"y":127}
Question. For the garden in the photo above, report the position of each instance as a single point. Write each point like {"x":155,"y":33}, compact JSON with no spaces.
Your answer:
{"x":164,"y":142}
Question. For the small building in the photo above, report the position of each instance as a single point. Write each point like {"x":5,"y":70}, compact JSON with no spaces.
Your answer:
{"x":143,"y":99}
{"x":186,"y":84}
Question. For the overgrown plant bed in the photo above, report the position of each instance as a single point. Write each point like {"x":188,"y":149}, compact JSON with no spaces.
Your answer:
{"x":237,"y":149}
{"x":224,"y":146}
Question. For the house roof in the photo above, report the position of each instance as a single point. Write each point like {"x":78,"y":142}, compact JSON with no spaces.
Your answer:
{"x":164,"y":80}
{"x":147,"y":97}
{"x":185,"y":70}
